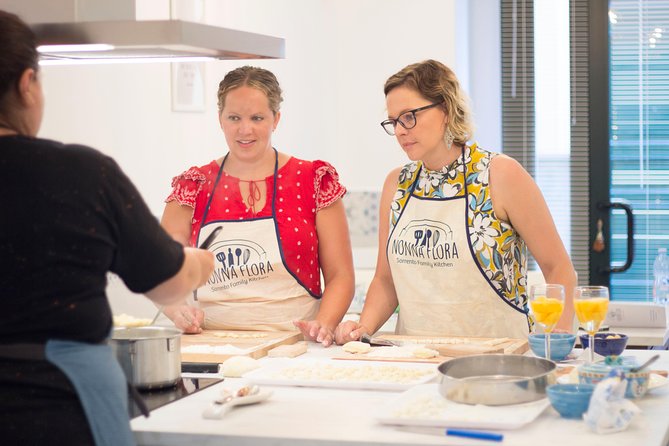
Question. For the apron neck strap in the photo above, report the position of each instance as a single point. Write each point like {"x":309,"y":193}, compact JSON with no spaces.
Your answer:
{"x":218,"y":178}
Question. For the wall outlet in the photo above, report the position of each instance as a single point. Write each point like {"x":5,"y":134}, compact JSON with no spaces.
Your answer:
{"x":636,"y":314}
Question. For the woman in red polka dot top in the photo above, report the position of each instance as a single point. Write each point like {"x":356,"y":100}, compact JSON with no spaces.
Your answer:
{"x":272,"y":207}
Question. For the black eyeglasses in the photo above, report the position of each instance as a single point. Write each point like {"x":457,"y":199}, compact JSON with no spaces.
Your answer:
{"x":406,"y":119}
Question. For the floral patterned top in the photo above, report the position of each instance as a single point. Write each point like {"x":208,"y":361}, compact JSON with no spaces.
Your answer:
{"x":303,"y":189}
{"x":498,"y":248}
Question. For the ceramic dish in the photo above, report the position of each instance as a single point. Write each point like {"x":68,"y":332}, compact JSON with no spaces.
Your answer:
{"x":570,"y":400}
{"x":216,"y":411}
{"x":637,"y":382}
{"x":655,"y":380}
{"x":343,"y":374}
{"x":561,"y":345}
{"x":606,"y":344}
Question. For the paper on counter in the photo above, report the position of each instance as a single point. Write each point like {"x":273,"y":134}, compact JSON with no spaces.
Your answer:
{"x":422,"y":405}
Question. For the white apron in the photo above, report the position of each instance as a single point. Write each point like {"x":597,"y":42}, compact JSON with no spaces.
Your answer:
{"x":440,"y":286}
{"x":251,"y":287}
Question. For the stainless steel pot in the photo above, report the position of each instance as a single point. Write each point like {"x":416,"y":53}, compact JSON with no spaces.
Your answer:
{"x":149,"y":356}
{"x":496,"y":380}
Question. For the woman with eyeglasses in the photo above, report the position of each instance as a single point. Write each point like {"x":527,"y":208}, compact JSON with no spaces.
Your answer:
{"x":69,"y":216}
{"x":282,"y":218}
{"x":454,"y":224}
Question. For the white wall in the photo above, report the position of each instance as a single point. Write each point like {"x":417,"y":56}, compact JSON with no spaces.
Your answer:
{"x":338,"y":55}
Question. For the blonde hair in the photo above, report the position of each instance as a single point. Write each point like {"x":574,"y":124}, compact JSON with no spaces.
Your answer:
{"x":437,"y":83}
{"x":255,"y":77}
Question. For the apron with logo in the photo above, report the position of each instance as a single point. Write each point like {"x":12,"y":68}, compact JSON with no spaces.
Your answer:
{"x":441,"y":288}
{"x":251,"y":287}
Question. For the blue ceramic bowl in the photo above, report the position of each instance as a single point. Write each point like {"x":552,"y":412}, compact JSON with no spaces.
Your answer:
{"x":606,"y":344}
{"x":561,"y":345}
{"x":637,"y":382}
{"x":570,"y":400}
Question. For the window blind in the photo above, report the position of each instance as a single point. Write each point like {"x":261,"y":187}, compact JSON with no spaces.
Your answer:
{"x":563,"y":180}
{"x":639,"y":137}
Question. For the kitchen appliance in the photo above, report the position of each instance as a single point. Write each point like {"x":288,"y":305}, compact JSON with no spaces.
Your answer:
{"x":155,"y":398}
{"x":101,"y":30}
{"x":149,"y":356}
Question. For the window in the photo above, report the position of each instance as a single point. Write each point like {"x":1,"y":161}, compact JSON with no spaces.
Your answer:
{"x":639,"y":137}
{"x":607,"y":139}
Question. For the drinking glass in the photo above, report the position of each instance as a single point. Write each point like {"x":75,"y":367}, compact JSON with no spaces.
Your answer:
{"x":591,"y":304}
{"x":547,"y":304}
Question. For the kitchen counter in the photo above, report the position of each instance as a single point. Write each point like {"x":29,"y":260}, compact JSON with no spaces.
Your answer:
{"x":322,"y":416}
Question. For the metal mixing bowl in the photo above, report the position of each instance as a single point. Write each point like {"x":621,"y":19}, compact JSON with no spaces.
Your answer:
{"x":496,"y":380}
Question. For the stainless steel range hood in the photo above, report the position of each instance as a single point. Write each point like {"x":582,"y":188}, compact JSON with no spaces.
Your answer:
{"x":150,"y":39}
{"x":91,"y":38}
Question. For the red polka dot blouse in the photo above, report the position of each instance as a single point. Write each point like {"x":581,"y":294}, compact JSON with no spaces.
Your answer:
{"x":303,"y":188}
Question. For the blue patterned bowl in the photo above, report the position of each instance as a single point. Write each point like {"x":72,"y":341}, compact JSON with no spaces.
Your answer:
{"x":561,"y":345}
{"x":570,"y":400}
{"x":637,"y":382}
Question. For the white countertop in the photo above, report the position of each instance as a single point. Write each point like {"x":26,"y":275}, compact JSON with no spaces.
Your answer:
{"x":322,"y":416}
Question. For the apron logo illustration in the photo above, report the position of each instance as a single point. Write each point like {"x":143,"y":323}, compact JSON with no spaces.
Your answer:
{"x":238,"y":260}
{"x":425,"y":240}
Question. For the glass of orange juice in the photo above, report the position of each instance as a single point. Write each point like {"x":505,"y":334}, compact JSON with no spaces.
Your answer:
{"x":546,"y":305}
{"x":591,"y":304}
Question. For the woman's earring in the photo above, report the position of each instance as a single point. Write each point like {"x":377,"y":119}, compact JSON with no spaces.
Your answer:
{"x":448,"y":138}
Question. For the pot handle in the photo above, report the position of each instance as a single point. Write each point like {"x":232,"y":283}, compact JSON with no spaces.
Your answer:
{"x":171,"y":344}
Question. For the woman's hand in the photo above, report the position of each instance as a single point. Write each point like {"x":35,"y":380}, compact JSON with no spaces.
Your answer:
{"x":189,"y":319}
{"x":315,"y":331}
{"x":349,"y":331}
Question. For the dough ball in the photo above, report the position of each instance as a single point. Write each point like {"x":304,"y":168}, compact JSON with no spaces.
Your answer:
{"x":357,"y":347}
{"x":236,"y":366}
{"x":425,"y":353}
{"x":125,"y":320}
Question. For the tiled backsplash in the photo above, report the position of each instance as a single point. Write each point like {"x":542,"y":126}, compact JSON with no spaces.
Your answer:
{"x":362,"y":211}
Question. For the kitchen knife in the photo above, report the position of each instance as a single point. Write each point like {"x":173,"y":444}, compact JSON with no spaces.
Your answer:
{"x":367,"y":339}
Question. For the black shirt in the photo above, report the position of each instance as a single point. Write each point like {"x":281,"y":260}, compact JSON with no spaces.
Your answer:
{"x":69,"y":215}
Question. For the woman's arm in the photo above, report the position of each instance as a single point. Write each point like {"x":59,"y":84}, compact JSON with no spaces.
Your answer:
{"x":177,"y":221}
{"x":517,"y":199}
{"x":197,"y":267}
{"x":336,"y":262}
{"x":381,"y":298}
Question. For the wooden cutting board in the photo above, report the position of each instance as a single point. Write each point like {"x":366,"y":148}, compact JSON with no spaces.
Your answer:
{"x":256,"y":343}
{"x":448,"y":348}
{"x":464,"y":346}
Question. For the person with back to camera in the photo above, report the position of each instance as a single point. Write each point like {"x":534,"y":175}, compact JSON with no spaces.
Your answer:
{"x":454,"y":223}
{"x":282,"y":218}
{"x":70,"y":216}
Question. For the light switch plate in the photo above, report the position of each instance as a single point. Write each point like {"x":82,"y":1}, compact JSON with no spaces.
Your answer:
{"x":188,"y":86}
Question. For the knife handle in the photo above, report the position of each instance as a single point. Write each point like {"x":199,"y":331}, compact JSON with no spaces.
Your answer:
{"x":210,"y":238}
